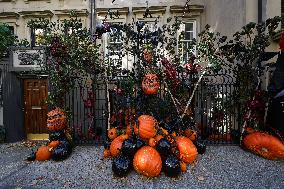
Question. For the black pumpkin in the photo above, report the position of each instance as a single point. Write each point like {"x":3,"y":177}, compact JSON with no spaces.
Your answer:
{"x":164,"y":147}
{"x":201,"y":146}
{"x":32,"y":156}
{"x":62,"y":151}
{"x":171,"y":166}
{"x":121,"y":166}
{"x":56,"y":135}
{"x":129,"y":147}
{"x":139,"y":143}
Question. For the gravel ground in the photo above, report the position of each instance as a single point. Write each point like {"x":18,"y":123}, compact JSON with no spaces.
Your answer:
{"x":221,"y":167}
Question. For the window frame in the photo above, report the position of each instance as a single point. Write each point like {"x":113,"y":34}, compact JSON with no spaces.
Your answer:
{"x":186,"y":41}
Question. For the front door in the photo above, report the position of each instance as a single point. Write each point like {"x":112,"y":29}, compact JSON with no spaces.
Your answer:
{"x":35,"y":96}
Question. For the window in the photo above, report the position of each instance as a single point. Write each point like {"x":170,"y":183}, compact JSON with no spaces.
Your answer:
{"x":37,"y":36}
{"x":186,"y":34}
{"x":113,"y":47}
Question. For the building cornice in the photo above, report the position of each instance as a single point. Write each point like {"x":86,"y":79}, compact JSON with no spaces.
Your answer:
{"x":45,"y":13}
{"x":67,"y":12}
{"x":11,"y":15}
{"x":152,"y":9}
{"x":192,"y":8}
{"x":104,"y":11}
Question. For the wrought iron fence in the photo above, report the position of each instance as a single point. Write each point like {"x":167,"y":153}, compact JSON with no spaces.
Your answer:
{"x":216,"y":115}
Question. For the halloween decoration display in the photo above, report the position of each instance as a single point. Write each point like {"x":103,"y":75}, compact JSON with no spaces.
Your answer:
{"x":121,"y":166}
{"x":147,"y":161}
{"x":146,"y":127}
{"x":150,"y":84}
{"x":188,"y":151}
{"x":56,"y":120}
{"x":171,"y":166}
{"x":116,"y":145}
{"x":264,"y":145}
{"x":43,"y":153}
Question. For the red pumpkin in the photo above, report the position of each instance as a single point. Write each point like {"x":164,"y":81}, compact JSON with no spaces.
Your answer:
{"x":150,"y":84}
{"x":112,"y":133}
{"x":56,"y":120}
{"x":116,"y":145}
{"x":147,"y":161}
{"x":147,"y":127}
{"x":53,"y":144}
{"x":43,"y":153}
{"x":264,"y":145}
{"x":187,"y":149}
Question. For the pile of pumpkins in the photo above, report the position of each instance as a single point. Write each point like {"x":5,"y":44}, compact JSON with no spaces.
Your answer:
{"x":59,"y":146}
{"x":151,"y":149}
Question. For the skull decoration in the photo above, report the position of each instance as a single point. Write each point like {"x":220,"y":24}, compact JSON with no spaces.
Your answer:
{"x":56,"y":120}
{"x":150,"y":84}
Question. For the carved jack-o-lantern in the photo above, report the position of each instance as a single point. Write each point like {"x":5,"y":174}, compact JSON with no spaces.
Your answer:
{"x":150,"y":84}
{"x":56,"y":120}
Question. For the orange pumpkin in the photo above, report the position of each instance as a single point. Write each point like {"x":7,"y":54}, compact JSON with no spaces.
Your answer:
{"x":147,"y":127}
{"x":191,"y":134}
{"x":112,"y":133}
{"x":56,"y":120}
{"x":53,"y":144}
{"x":43,"y":153}
{"x":264,"y":145}
{"x":107,"y":153}
{"x":116,"y":145}
{"x":187,"y":149}
{"x":147,"y":161}
{"x":152,"y":142}
{"x":183,"y":166}
{"x":150,"y":84}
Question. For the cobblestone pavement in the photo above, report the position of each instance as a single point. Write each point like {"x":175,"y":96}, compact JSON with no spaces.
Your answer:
{"x":221,"y":167}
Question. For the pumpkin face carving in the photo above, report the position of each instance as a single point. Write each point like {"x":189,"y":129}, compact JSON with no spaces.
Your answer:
{"x":150,"y":84}
{"x":56,"y":120}
{"x":146,"y":128}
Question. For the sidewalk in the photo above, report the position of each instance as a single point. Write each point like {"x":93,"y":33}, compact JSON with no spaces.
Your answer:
{"x":221,"y":167}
